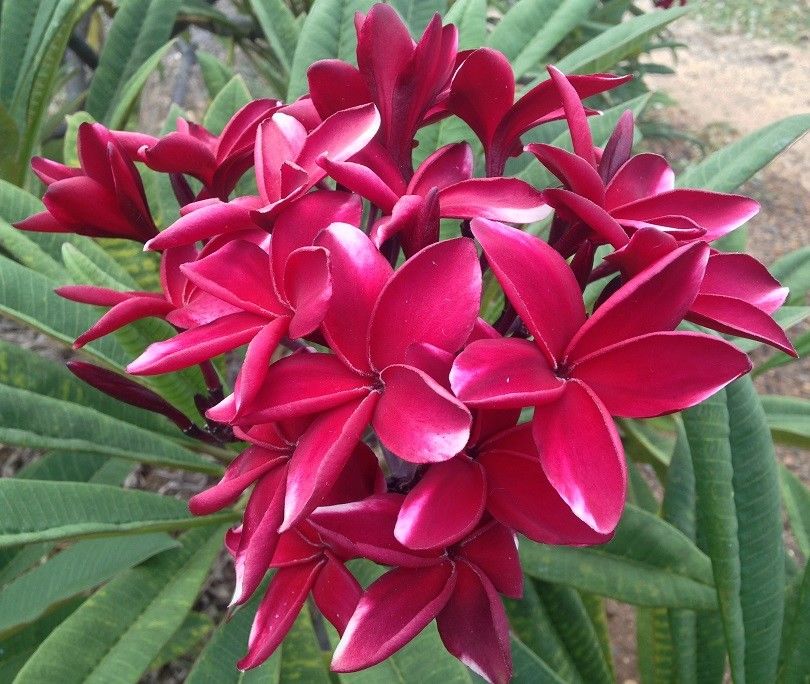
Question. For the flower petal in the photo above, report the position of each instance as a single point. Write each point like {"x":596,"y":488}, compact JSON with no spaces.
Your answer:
{"x":500,"y":199}
{"x":641,"y":176}
{"x":743,"y":277}
{"x":322,"y":454}
{"x":592,"y":215}
{"x":493,"y":549}
{"x":128,"y":311}
{"x":474,"y":628}
{"x":197,"y":344}
{"x":286,"y":594}
{"x":433,"y":297}
{"x":661,"y":372}
{"x":429,"y":518}
{"x":362,"y":180}
{"x":393,"y":610}
{"x":418,"y":419}
{"x":503,"y":373}
{"x":582,"y":456}
{"x":537,"y":281}
{"x":308,"y":288}
{"x":336,"y":593}
{"x":447,"y":165}
{"x":359,"y":273}
{"x":259,"y":353}
{"x":335,"y":85}
{"x":572,"y":170}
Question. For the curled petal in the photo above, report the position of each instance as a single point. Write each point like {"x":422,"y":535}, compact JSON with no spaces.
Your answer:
{"x":335,"y":85}
{"x":500,"y":199}
{"x":575,"y":114}
{"x":278,"y":140}
{"x":661,"y":372}
{"x":254,"y":368}
{"x":122,"y":314}
{"x":537,"y":281}
{"x":641,"y":176}
{"x":493,"y":549}
{"x":215,"y":218}
{"x":592,"y":215}
{"x":418,"y":419}
{"x":362,"y":180}
{"x":429,"y":518}
{"x":433,"y":297}
{"x":393,"y":610}
{"x":450,"y":164}
{"x":503,"y":373}
{"x":582,"y":456}
{"x":474,"y":628}
{"x":336,"y":593}
{"x":743,"y":277}
{"x":308,"y":288}
{"x":572,"y":170}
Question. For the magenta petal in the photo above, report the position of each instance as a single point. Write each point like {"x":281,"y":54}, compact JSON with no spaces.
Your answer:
{"x":359,"y":273}
{"x":197,"y":344}
{"x":521,"y":497}
{"x":573,"y":171}
{"x":582,"y":455}
{"x":257,"y":361}
{"x":484,"y":70}
{"x":366,"y":529}
{"x":429,"y":518}
{"x":404,"y":219}
{"x":433,"y":297}
{"x":661,"y":372}
{"x":719,"y":213}
{"x":638,"y":307}
{"x":215,"y":218}
{"x":493,"y":549}
{"x":743,"y":277}
{"x":500,"y":199}
{"x":243,"y":471}
{"x":277,"y":611}
{"x":237,"y":273}
{"x":259,"y":535}
{"x":303,"y":384}
{"x":393,"y":610}
{"x":537,"y":281}
{"x":278,"y":141}
{"x":123,"y":313}
{"x":592,"y":215}
{"x":322,"y":454}
{"x":362,"y":180}
{"x":474,"y":628}
{"x":180,"y":153}
{"x":308,"y":288}
{"x":737,"y":317}
{"x":339,"y":137}
{"x":432,"y":360}
{"x":335,"y":85}
{"x":641,"y":176}
{"x":418,"y":419}
{"x":575,"y":114}
{"x":447,"y":165}
{"x":503,"y":373}
{"x":336,"y":593}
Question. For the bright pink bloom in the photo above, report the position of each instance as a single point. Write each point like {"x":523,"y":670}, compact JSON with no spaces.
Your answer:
{"x":102,"y":198}
{"x":217,"y":161}
{"x":623,"y":361}
{"x":497,"y":119}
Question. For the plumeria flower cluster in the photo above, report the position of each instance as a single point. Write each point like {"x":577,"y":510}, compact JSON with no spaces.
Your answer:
{"x":384,"y":418}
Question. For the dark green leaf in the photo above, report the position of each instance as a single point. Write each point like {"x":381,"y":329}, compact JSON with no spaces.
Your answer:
{"x":796,"y":498}
{"x":788,"y":419}
{"x":232,"y":97}
{"x":417,"y":13}
{"x":470,"y":17}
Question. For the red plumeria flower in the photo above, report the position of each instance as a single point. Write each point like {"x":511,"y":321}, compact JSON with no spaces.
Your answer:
{"x":402,"y":78}
{"x":635,"y":192}
{"x":286,"y":160}
{"x":625,"y":360}
{"x":217,"y":161}
{"x":737,"y":294}
{"x":102,"y":198}
{"x":497,"y":119}
{"x":272,"y":296}
{"x":376,"y":324}
{"x":457,"y":586}
{"x":442,"y":187}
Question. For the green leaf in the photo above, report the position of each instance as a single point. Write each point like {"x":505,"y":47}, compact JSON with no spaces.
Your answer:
{"x":572,"y":623}
{"x":139,"y":29}
{"x":217,"y":662}
{"x":528,"y":668}
{"x":79,"y":428}
{"x":801,"y":344}
{"x":28,"y":297}
{"x":797,"y":504}
{"x":793,"y":271}
{"x":75,"y":466}
{"x":29,"y":253}
{"x":647,"y":563}
{"x":215,"y":74}
{"x":35,"y":511}
{"x":533,"y":28}
{"x":9,"y":141}
{"x":131,"y":89}
{"x":233,"y":96}
{"x":196,"y":627}
{"x":795,"y":667}
{"x":140,"y":610}
{"x":530,"y":621}
{"x":788,"y":419}
{"x":621,"y":41}
{"x":327,"y":33}
{"x":728,"y":168}
{"x":470,"y":17}
{"x":654,"y":646}
{"x":601,"y":127}
{"x":417,"y":13}
{"x":280,"y":29}
{"x":70,"y":150}
{"x":301,"y":657}
{"x":83,"y":566}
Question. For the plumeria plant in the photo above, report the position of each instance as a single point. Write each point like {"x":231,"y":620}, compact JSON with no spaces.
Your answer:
{"x":454,"y":361}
